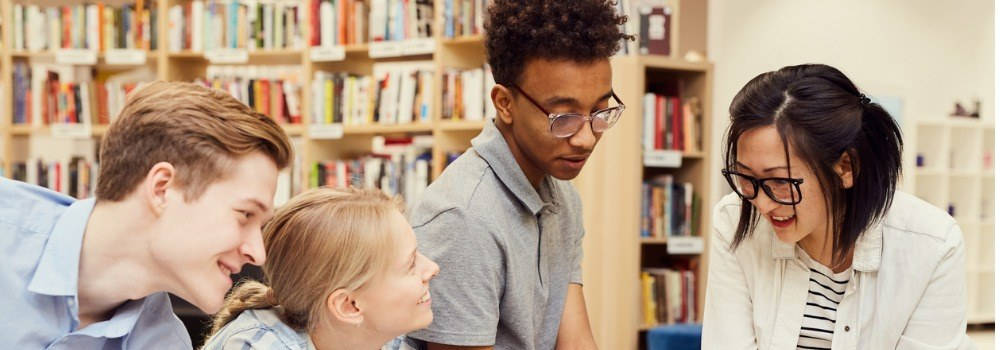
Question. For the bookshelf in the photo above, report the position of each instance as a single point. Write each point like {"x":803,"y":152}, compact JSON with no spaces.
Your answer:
{"x":610,"y":185}
{"x":953,"y":169}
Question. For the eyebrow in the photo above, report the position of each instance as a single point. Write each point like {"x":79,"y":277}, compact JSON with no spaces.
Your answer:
{"x":260,"y":205}
{"x":569,"y":101}
{"x":765,"y":170}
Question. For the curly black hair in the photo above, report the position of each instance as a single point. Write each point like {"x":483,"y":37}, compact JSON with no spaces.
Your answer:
{"x":520,"y":30}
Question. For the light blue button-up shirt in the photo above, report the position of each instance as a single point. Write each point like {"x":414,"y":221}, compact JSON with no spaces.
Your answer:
{"x":41,"y":234}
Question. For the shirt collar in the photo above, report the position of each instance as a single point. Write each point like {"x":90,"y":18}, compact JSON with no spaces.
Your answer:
{"x":867,"y":249}
{"x":492,"y":147}
{"x":59,"y":266}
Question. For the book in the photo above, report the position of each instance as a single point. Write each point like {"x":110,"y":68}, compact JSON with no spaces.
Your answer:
{"x":206,"y":25}
{"x":668,"y":296}
{"x":271,"y":90}
{"x":397,"y":166}
{"x":464,"y":17}
{"x":669,"y":208}
{"x":395,"y":20}
{"x":466,"y":94}
{"x":671,"y":123}
{"x":90,"y":26}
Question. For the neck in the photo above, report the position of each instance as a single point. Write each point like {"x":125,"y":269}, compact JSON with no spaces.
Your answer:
{"x":819,"y":246}
{"x":532,"y":172}
{"x":114,"y":262}
{"x":347,"y":337}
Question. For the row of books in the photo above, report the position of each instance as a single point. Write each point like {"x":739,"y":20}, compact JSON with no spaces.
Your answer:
{"x":53,"y":93}
{"x":201,"y":25}
{"x":94,"y":26}
{"x":671,"y":123}
{"x":668,"y":296}
{"x":464,"y":17}
{"x":394,"y":20}
{"x":338,"y":22}
{"x":75,"y":177}
{"x":271,"y":90}
{"x":401,"y":166}
{"x":466,"y":94}
{"x":396,"y":94}
{"x":669,"y":208}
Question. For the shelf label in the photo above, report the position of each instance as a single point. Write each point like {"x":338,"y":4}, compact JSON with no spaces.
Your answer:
{"x":76,"y":56}
{"x":227,"y":56}
{"x":685,"y":245}
{"x":418,"y":46}
{"x":662,"y":158}
{"x":326,"y":131}
{"x":327,"y":53}
{"x":409,"y":47}
{"x":71,"y":130}
{"x":125,"y":57}
{"x":385,"y":49}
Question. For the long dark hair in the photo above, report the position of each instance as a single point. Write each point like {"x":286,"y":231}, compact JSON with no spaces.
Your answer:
{"x":820,"y":115}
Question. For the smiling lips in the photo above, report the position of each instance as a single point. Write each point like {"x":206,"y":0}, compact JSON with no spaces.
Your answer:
{"x":781,"y":221}
{"x":425,"y":298}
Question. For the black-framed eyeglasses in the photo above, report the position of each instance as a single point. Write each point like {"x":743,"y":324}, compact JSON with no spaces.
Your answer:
{"x":563,"y":125}
{"x":783,"y":190}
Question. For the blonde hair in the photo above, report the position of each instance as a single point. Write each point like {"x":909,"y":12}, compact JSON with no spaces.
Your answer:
{"x":321,"y":241}
{"x":198,"y":130}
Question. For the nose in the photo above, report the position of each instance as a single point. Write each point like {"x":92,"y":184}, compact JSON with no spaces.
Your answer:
{"x":252,"y":249}
{"x":584,"y":138}
{"x":764,"y":203}
{"x":432,"y":269}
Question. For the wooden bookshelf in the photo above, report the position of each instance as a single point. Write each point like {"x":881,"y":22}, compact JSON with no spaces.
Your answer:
{"x":609,"y":185}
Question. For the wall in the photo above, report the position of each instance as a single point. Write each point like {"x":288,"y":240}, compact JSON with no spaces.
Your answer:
{"x":928,"y":53}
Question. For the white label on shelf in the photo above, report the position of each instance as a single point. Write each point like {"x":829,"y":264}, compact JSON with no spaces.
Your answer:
{"x":410,"y":47}
{"x":76,"y":56}
{"x":385,"y":49}
{"x":662,"y":158}
{"x":71,"y":130}
{"x":326,"y":131}
{"x":418,"y":46}
{"x":685,"y":245}
{"x":230,"y":56}
{"x":125,"y":56}
{"x":327,"y":53}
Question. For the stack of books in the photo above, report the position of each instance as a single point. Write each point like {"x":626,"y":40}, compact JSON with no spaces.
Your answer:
{"x":464,"y":17}
{"x":466,"y":94}
{"x":337,"y":22}
{"x":669,"y":208}
{"x":397,"y":166}
{"x":668,"y":296}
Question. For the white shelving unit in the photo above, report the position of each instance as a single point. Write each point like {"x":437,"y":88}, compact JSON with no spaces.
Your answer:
{"x":956,"y":173}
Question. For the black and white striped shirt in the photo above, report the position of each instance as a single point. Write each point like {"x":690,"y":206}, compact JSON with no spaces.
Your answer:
{"x":826,"y":290}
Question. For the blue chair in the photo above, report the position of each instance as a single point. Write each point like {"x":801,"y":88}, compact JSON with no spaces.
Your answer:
{"x":674,"y":337}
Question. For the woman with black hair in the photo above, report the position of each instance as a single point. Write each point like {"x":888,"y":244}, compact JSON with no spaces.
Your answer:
{"x":816,"y":249}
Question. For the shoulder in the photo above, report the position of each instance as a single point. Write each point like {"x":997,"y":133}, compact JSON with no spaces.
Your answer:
{"x":455,"y":190}
{"x":912,"y":216}
{"x":257,"y":329}
{"x":30,"y":207}
{"x":726,"y":216}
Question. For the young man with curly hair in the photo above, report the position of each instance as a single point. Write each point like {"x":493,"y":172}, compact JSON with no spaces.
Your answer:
{"x":503,"y":221}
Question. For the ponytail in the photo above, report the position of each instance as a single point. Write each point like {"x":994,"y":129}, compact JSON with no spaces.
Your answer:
{"x":877,"y":158}
{"x":248,"y":295}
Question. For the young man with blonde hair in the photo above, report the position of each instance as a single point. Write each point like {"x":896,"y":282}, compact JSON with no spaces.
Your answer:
{"x":187,"y":179}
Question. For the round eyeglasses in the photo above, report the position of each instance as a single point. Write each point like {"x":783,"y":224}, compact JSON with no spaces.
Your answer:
{"x":563,"y":125}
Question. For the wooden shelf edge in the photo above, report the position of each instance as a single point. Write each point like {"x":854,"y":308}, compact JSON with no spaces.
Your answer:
{"x":464,"y":39}
{"x":387,"y":129}
{"x":666,"y":62}
{"x":461,"y":125}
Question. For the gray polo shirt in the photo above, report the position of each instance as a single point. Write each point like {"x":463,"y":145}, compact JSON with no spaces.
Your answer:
{"x":507,"y":252}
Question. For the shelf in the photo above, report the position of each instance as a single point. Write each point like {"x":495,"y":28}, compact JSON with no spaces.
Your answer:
{"x":930,"y":172}
{"x":665,"y":62}
{"x":99,"y":130}
{"x":461,"y":125}
{"x":21,"y":130}
{"x":293,"y":129}
{"x":981,"y":318}
{"x":251,"y":54}
{"x":647,"y":327}
{"x":387,"y":129}
{"x":465,"y":40}
{"x":127,"y":57}
{"x":652,"y":240}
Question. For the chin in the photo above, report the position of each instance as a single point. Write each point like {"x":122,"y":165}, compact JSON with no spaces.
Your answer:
{"x":565,"y":175}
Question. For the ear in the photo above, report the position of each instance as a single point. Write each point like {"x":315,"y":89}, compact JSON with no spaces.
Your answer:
{"x":503,"y":100}
{"x":344,"y":307}
{"x":844,"y":168}
{"x":154,"y":187}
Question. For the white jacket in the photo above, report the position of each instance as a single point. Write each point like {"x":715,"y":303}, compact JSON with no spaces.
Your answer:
{"x":907,"y":290}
